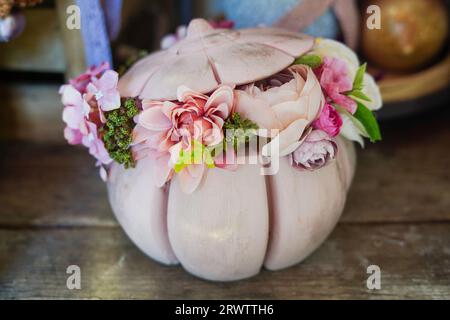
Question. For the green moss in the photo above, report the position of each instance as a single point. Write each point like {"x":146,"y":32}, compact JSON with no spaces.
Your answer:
{"x":238,"y":130}
{"x":117,"y":132}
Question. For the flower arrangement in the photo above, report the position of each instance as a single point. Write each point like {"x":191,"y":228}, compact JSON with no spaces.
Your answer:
{"x":325,"y":93}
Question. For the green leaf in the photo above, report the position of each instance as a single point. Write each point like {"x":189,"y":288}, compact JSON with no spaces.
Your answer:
{"x":368,"y":120}
{"x":311,"y":60}
{"x":359,"y":78}
{"x":198,"y":154}
{"x":359,"y":126}
{"x":359,"y":95}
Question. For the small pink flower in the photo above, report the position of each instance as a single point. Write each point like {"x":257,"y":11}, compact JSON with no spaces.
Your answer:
{"x":105,"y":91}
{"x":81,"y":82}
{"x":335,"y":81}
{"x":315,"y":152}
{"x":329,"y":121}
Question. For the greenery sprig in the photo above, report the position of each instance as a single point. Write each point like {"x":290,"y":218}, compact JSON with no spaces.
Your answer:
{"x":238,"y":130}
{"x":118,"y":132}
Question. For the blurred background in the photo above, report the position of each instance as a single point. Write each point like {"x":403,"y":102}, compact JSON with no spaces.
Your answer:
{"x":51,"y":197}
{"x":409,"y":55}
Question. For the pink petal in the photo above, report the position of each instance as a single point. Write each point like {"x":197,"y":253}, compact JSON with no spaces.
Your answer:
{"x":224,"y":97}
{"x":155,"y":119}
{"x":72,"y":117}
{"x":162,"y":170}
{"x":70,"y":96}
{"x":256,"y":110}
{"x":191,"y":177}
{"x":72,"y":136}
{"x":110,"y":101}
{"x":109,"y":80}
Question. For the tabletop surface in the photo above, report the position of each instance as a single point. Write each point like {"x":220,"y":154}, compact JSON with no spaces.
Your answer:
{"x":54,"y":213}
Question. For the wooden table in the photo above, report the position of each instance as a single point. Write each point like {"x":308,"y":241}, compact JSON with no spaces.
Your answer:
{"x":54,"y":213}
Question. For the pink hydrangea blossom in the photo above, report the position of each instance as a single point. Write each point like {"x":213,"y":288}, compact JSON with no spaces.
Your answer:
{"x":105,"y":90}
{"x":315,"y":152}
{"x":75,"y":114}
{"x":81,"y":82}
{"x":82,"y":122}
{"x":329,"y":121}
{"x":95,"y":144}
{"x":335,"y":81}
{"x":169,"y":127}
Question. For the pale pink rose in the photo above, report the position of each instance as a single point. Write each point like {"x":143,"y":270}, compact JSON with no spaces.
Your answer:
{"x":288,"y":102}
{"x":335,"y":81}
{"x":167,"y":127}
{"x":81,"y":82}
{"x":315,"y":152}
{"x":105,"y":90}
{"x":329,"y":121}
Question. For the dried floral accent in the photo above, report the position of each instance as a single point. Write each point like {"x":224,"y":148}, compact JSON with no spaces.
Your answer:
{"x":118,"y":132}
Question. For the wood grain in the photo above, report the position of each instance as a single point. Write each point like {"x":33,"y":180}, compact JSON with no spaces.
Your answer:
{"x":45,"y":185}
{"x":31,"y":112}
{"x":414,"y":262}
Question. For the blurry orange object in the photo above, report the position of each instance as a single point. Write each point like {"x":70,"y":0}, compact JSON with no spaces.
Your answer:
{"x":411,"y":34}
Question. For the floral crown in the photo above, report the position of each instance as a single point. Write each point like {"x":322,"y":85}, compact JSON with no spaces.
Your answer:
{"x":301,"y":110}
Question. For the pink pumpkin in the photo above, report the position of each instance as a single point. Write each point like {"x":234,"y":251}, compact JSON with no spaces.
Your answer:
{"x":236,"y":222}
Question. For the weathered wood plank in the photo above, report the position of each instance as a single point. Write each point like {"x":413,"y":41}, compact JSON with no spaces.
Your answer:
{"x":405,"y":177}
{"x":31,"y":112}
{"x":414,"y":262}
{"x":44,"y":185}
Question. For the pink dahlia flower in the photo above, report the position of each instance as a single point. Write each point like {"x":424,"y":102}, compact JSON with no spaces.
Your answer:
{"x":169,"y":127}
